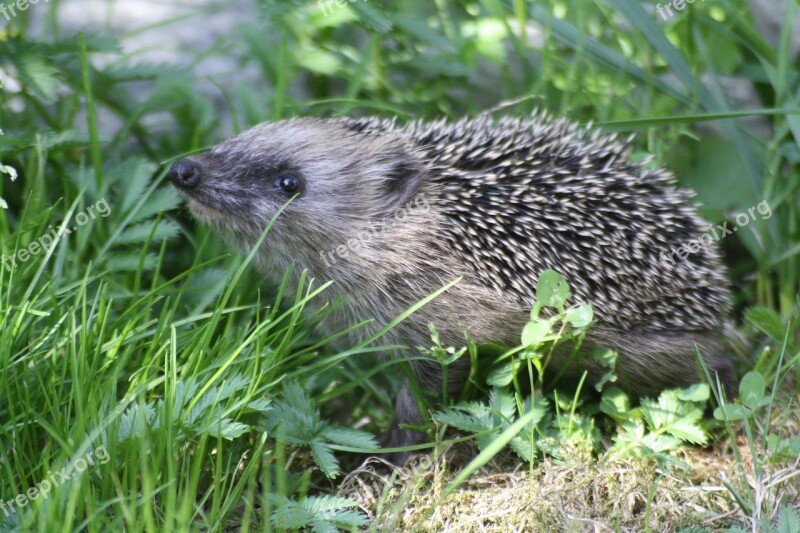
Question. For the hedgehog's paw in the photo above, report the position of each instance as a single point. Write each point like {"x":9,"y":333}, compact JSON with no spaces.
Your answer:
{"x":396,"y":437}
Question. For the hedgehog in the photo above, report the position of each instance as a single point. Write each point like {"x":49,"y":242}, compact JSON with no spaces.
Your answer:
{"x":391,"y":213}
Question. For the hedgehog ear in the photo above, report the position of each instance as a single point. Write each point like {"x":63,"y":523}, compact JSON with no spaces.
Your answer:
{"x":401,"y":180}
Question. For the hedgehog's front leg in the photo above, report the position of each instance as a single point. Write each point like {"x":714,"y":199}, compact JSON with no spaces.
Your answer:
{"x":406,"y":411}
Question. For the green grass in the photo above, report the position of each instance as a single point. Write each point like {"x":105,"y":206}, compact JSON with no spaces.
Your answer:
{"x":193,"y":397}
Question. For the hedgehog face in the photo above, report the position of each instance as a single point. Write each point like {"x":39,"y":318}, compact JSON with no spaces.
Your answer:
{"x":331,"y":181}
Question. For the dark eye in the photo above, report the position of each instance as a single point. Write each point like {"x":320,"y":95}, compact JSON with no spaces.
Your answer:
{"x":290,"y":184}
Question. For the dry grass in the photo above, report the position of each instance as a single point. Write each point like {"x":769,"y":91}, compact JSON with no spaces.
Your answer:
{"x":579,"y":493}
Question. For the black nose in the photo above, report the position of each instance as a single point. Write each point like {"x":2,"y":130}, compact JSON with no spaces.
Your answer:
{"x":185,"y":174}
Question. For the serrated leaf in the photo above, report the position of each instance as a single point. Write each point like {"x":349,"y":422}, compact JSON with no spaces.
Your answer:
{"x":135,"y":420}
{"x":524,"y":448}
{"x":139,"y":233}
{"x":323,"y":456}
{"x":461,"y":421}
{"x":669,"y":413}
{"x":288,"y":514}
{"x":224,"y":428}
{"x":65,"y":139}
{"x":133,"y":176}
{"x":350,"y":437}
{"x":372,"y":16}
{"x":259,"y":405}
{"x":699,"y":392}
{"x":38,"y":75}
{"x":788,"y":520}
{"x":349,"y":518}
{"x":767,"y":320}
{"x":502,"y":403}
{"x":504,"y":374}
{"x":129,"y":262}
{"x":325,"y":504}
{"x":660,"y":443}
{"x":294,"y":395}
{"x":687,"y":431}
{"x":164,"y":199}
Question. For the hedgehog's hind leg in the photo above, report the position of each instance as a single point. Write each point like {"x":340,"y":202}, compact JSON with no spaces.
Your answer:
{"x":650,"y":361}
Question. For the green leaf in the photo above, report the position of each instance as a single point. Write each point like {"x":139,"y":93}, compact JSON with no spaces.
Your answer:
{"x":320,"y":513}
{"x":372,"y":16}
{"x":535,"y":332}
{"x":323,"y":456}
{"x":318,"y":61}
{"x":605,"y":356}
{"x":676,"y":417}
{"x":324,"y":504}
{"x":552,"y":290}
{"x":422,"y":31}
{"x":504,"y":374}
{"x":660,"y":443}
{"x":352,"y":438}
{"x":224,"y":428}
{"x":462,"y":421}
{"x":788,"y":520}
{"x":38,"y":75}
{"x":166,"y":230}
{"x":615,"y":403}
{"x":696,"y":393}
{"x":294,"y":395}
{"x":488,"y":452}
{"x":607,"y":359}
{"x":687,"y":431}
{"x":751,"y":390}
{"x":767,"y":320}
{"x":129,"y":262}
{"x":732,"y":412}
{"x":133,"y":176}
{"x":502,"y":404}
{"x":580,"y":316}
{"x":163,"y":199}
{"x":524,"y":447}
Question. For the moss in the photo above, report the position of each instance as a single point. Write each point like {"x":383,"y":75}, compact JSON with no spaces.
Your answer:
{"x":575,"y":494}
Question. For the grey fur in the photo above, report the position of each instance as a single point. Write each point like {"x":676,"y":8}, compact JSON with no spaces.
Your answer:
{"x":508,"y":199}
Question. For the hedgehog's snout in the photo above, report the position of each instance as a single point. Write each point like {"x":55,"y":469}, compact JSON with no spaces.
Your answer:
{"x":185,"y":173}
